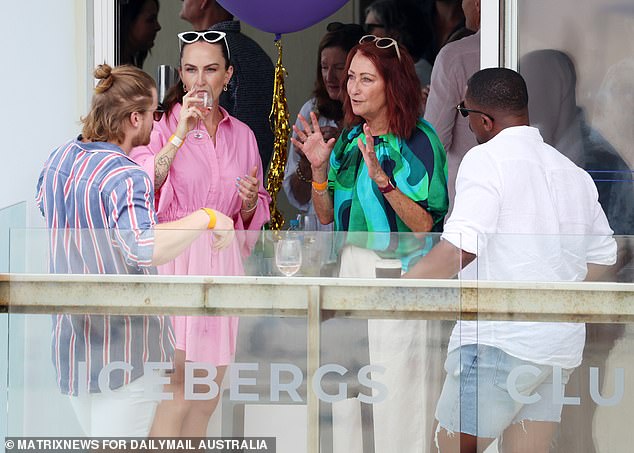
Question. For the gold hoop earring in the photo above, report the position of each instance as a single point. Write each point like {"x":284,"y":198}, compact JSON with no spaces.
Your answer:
{"x":225,"y":88}
{"x":184,"y":88}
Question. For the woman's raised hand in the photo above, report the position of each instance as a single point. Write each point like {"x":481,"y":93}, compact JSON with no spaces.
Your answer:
{"x":248,"y":186}
{"x":191,"y":111}
{"x":310,"y":141}
{"x":375,"y":172}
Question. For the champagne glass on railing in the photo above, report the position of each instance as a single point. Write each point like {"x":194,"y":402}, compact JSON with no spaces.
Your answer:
{"x":310,"y":228}
{"x":288,"y":255}
{"x":207,"y":103}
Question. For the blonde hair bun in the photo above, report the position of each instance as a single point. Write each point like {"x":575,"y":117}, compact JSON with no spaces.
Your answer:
{"x":103,"y":73}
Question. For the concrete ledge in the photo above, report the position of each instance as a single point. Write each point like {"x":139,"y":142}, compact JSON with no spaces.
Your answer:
{"x":280,"y":296}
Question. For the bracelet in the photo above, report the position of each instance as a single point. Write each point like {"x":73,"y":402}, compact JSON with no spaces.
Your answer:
{"x":301,"y":176}
{"x":255,"y":205}
{"x":212,"y":218}
{"x":320,"y":186}
{"x":320,"y":192}
{"x":176,"y":141}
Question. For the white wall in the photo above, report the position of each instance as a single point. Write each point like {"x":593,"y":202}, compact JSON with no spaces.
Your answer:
{"x":44,"y":76}
{"x":44,"y":51}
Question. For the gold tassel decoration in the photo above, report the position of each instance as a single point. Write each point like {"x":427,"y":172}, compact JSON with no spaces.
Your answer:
{"x":279,"y":120}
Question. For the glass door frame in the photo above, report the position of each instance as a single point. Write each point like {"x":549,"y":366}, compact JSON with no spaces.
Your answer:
{"x":498,"y":34}
{"x":104,"y":32}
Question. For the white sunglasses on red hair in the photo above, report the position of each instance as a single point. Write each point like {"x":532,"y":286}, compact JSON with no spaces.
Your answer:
{"x":381,"y":43}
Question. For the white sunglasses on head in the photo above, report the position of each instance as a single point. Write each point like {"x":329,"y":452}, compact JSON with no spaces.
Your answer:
{"x":381,"y":43}
{"x":211,"y":36}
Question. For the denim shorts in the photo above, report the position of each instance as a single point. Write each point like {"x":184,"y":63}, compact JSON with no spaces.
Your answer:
{"x":475,"y":398}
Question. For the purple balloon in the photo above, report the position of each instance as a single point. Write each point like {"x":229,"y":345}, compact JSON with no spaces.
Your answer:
{"x":281,"y":16}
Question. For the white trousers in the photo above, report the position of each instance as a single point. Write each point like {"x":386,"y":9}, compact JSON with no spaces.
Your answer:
{"x":402,"y":423}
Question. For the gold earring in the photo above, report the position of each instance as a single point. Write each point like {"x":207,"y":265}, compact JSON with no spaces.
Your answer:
{"x":184,"y":88}
{"x":225,"y":88}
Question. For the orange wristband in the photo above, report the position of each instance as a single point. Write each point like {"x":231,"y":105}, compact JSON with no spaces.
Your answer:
{"x":320,"y":186}
{"x":212,"y":218}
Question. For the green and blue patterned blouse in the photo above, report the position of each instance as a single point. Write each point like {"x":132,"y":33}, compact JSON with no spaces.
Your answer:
{"x":417,"y":166}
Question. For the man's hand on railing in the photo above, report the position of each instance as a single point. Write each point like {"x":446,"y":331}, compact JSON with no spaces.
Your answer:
{"x":223,"y":231}
{"x":170,"y":239}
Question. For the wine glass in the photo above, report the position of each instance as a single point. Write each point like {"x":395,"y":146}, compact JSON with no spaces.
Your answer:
{"x":207,"y":103}
{"x":288,"y":255}
{"x":312,"y":248}
{"x":309,"y":225}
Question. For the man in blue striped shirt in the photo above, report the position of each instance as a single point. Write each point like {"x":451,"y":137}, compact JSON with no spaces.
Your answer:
{"x":99,"y":208}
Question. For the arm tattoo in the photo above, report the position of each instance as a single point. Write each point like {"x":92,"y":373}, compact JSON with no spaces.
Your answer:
{"x":161,"y":168}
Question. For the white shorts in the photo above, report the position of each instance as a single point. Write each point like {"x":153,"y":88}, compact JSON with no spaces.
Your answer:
{"x":125,"y":416}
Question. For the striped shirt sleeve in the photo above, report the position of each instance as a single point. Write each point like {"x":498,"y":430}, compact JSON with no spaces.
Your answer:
{"x":132,"y":217}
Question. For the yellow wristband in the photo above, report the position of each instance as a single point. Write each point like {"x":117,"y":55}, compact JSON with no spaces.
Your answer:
{"x":212,"y":218}
{"x":320,"y":186}
{"x":176,"y":141}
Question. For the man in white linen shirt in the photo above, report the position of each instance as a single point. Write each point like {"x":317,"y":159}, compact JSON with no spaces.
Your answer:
{"x":526,"y":212}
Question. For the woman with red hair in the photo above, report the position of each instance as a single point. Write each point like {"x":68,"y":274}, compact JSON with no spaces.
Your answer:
{"x":387,"y":174}
{"x":388,"y":169}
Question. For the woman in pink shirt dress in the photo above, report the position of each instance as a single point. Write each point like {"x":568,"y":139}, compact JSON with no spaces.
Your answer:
{"x":222,"y":170}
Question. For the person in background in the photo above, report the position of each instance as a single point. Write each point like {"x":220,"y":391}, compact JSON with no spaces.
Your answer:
{"x":327,"y":105}
{"x":220,"y":168}
{"x":404,"y":22}
{"x":455,"y":63}
{"x":551,"y":79}
{"x":99,"y":208}
{"x":249,"y":95}
{"x":525,"y":212}
{"x":137,"y":31}
{"x":386,"y":173}
{"x":448,"y":24}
